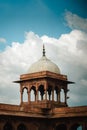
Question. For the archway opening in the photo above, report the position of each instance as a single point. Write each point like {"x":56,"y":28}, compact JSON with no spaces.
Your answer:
{"x":7,"y":126}
{"x":33,"y":93}
{"x":25,"y":95}
{"x":62,"y":95}
{"x":41,"y":95}
{"x":76,"y":127}
{"x":61,"y":127}
{"x":49,"y":93}
{"x":21,"y":127}
{"x":79,"y":128}
{"x":56,"y":94}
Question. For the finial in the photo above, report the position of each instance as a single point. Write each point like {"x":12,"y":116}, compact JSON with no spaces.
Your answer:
{"x":43,"y":50}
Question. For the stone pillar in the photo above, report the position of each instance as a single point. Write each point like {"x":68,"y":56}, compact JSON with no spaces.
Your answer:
{"x":65,"y":93}
{"x":84,"y":127}
{"x":45,"y":94}
{"x":29,"y":96}
{"x":21,"y":94}
{"x":36,"y":95}
{"x":1,"y":125}
{"x":15,"y":126}
{"x":68,"y":126}
{"x":52,"y":94}
{"x":59,"y":96}
{"x":45,"y":88}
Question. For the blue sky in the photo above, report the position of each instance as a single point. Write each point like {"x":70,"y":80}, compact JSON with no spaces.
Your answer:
{"x":25,"y":25}
{"x":39,"y":16}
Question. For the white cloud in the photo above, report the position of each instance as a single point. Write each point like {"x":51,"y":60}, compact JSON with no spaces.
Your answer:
{"x":69,"y":46}
{"x":76,"y":22}
{"x":2,"y":40}
{"x":67,"y":52}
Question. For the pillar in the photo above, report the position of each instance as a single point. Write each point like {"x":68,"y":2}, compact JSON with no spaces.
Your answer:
{"x":65,"y":93}
{"x":59,"y":96}
{"x":29,"y":96}
{"x":21,"y":96}
{"x":45,"y":88}
{"x":45,"y":94}
{"x":21,"y":93}
{"x":36,"y":94}
{"x":84,"y":127}
{"x":1,"y":125}
{"x":52,"y":94}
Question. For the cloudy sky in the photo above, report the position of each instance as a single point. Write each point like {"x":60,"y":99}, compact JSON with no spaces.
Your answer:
{"x":25,"y":25}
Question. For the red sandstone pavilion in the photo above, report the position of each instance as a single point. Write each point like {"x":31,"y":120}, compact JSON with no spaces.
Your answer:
{"x":44,"y":109}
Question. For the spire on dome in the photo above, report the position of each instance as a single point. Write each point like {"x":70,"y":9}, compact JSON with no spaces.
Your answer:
{"x":43,"y":50}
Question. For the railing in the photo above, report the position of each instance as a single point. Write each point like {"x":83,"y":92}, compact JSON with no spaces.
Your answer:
{"x":33,"y":108}
{"x":44,"y":104}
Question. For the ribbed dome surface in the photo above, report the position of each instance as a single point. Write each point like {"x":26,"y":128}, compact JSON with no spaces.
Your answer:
{"x":44,"y":64}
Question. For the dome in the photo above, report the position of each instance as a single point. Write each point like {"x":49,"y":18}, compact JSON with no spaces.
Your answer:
{"x":44,"y":64}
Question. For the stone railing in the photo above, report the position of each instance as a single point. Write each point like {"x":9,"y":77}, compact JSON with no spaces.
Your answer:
{"x":9,"y":107}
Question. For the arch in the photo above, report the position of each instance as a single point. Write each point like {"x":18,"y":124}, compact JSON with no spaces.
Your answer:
{"x":56,"y":93}
{"x":41,"y":92}
{"x":25,"y":94}
{"x":62,"y":95}
{"x":61,"y":127}
{"x":8,"y":126}
{"x":76,"y":127}
{"x":21,"y":127}
{"x":33,"y":93}
{"x":49,"y":93}
{"x":79,"y":128}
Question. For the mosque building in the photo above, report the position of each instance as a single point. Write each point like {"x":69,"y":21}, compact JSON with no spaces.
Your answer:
{"x":45,"y":107}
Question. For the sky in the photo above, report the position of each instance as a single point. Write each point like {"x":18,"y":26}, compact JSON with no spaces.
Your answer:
{"x":25,"y":25}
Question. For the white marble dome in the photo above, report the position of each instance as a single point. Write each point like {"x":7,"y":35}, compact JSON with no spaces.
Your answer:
{"x":44,"y":64}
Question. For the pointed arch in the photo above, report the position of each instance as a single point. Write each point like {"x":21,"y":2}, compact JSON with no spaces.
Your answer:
{"x":41,"y":92}
{"x":76,"y":127}
{"x":62,"y":95}
{"x":25,"y":94}
{"x":21,"y":127}
{"x":49,"y":93}
{"x":56,"y":93}
{"x":8,"y":126}
{"x":33,"y":93}
{"x":61,"y":127}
